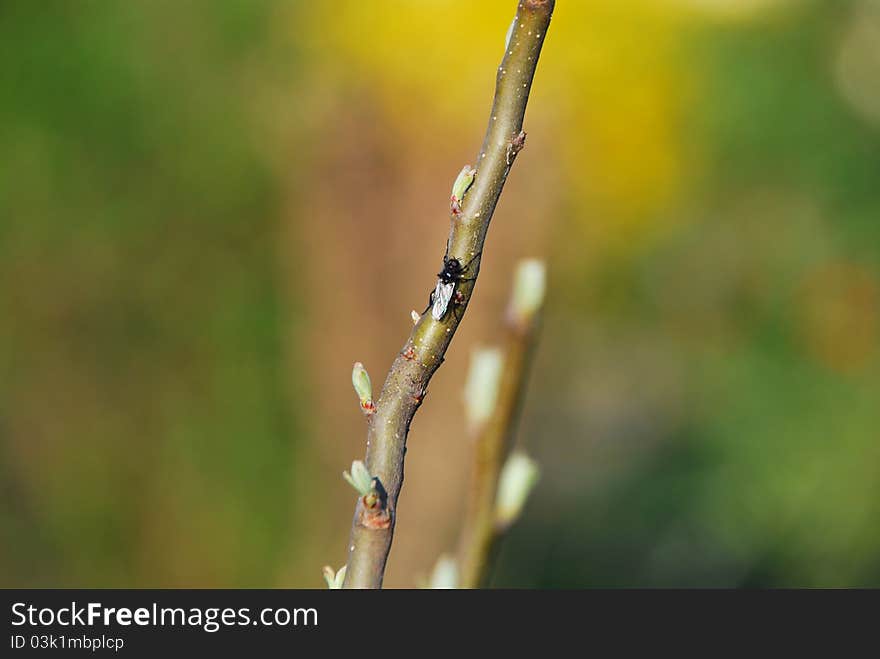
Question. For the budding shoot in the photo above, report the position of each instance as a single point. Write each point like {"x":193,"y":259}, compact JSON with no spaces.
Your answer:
{"x":462,"y":184}
{"x":363,"y":387}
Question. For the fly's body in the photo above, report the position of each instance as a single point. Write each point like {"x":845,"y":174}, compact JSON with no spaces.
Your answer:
{"x":444,"y":293}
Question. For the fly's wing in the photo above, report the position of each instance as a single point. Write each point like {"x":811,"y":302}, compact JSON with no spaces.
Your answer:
{"x":442,"y":296}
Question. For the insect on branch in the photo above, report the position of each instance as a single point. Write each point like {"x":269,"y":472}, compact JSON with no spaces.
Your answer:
{"x":475,"y":196}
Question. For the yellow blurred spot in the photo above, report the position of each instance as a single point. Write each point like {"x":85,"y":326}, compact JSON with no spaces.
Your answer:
{"x":607,"y":99}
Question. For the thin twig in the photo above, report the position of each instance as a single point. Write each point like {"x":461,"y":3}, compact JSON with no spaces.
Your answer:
{"x":421,"y":356}
{"x":493,"y":441}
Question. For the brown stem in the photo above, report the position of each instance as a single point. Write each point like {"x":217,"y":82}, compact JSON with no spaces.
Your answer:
{"x":493,"y":441}
{"x":423,"y":352}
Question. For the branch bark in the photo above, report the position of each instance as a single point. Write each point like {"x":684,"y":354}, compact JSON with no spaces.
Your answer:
{"x":405,"y":387}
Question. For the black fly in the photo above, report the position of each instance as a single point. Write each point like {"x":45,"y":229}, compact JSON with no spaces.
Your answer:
{"x":444,"y":292}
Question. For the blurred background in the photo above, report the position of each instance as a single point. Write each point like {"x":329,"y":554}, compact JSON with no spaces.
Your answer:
{"x":209,"y":210}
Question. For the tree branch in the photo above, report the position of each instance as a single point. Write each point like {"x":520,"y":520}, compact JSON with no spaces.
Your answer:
{"x":405,"y":387}
{"x":494,"y":437}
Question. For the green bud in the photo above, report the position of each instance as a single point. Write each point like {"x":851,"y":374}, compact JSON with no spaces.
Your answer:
{"x":462,"y":183}
{"x":529,"y":284}
{"x":334,"y":579}
{"x":445,"y":574}
{"x":363,"y":387}
{"x":359,"y":478}
{"x":481,"y":386}
{"x":518,"y":477}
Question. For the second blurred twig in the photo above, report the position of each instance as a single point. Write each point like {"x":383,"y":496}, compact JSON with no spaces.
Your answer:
{"x":500,"y":482}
